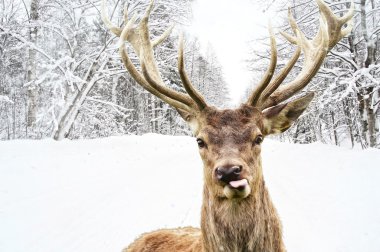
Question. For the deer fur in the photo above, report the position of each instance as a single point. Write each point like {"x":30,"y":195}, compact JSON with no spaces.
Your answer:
{"x":252,"y":225}
{"x":239,"y":224}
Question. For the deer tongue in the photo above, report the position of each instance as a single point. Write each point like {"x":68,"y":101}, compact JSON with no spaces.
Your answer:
{"x":238,"y":183}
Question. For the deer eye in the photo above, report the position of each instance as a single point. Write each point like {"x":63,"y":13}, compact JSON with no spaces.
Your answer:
{"x":201,"y":143}
{"x":259,"y":139}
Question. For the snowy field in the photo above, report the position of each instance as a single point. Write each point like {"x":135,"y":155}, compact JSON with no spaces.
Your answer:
{"x":98,"y":195}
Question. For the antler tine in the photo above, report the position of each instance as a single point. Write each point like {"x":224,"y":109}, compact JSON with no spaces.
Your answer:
{"x":113,"y":28}
{"x":146,"y":44}
{"x":315,"y":51}
{"x":293,"y":26}
{"x":255,"y":96}
{"x":295,"y":29}
{"x":168,"y":97}
{"x":147,"y":58}
{"x":140,"y":41}
{"x":163,"y":37}
{"x":335,"y":23}
{"x":280,"y":77}
{"x":133,"y":35}
{"x":157,"y":86}
{"x":194,"y":94}
{"x":348,"y":16}
{"x":125,"y":13}
{"x":144,"y":26}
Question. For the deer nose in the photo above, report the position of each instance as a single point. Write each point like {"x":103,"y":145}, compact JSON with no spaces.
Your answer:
{"x":228,"y":173}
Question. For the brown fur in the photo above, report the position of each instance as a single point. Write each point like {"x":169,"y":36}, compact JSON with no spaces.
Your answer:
{"x":164,"y":240}
{"x":241,"y":224}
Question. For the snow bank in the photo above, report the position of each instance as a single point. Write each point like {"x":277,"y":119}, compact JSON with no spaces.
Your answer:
{"x":98,"y":195}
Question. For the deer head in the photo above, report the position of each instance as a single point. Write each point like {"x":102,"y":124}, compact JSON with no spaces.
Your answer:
{"x":230,"y":140}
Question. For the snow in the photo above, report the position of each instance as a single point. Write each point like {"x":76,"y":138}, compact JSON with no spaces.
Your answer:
{"x":5,"y":99}
{"x":98,"y":195}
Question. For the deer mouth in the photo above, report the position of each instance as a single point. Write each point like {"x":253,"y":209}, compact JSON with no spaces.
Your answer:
{"x":238,"y":184}
{"x":237,"y":189}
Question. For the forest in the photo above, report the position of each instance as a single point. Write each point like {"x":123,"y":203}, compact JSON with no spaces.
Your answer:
{"x":62,"y":77}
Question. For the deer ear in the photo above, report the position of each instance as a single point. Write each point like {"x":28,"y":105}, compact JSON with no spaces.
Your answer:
{"x":190,"y":119}
{"x":279,"y":118}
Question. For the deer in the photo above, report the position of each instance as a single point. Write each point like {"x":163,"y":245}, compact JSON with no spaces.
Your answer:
{"x":237,"y":213}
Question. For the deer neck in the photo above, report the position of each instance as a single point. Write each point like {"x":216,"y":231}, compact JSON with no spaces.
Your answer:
{"x":249,"y":224}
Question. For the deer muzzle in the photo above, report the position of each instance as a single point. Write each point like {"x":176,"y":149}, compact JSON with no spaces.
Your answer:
{"x":235,"y":185}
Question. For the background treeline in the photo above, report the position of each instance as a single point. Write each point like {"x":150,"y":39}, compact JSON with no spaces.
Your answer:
{"x":346,"y":109}
{"x":61,"y":75}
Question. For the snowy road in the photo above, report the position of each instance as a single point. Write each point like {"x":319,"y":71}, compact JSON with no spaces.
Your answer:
{"x":98,"y":195}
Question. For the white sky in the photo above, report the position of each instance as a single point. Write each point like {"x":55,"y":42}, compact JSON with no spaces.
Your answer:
{"x":228,"y":26}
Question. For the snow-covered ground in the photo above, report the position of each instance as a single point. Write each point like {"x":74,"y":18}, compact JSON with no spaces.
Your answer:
{"x":98,"y":195}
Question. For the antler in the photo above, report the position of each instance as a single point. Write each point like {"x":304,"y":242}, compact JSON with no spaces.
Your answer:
{"x":150,"y":79}
{"x":253,"y":99}
{"x":268,"y":94}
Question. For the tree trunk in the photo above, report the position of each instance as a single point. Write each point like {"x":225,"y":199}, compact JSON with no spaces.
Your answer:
{"x":371,"y":119}
{"x":363,"y":119}
{"x":335,"y":133}
{"x":31,"y":70}
{"x":366,"y":109}
{"x":349,"y":121}
{"x":69,"y":114}
{"x":68,"y":118}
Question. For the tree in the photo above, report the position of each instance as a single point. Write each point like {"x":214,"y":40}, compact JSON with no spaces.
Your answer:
{"x":32,"y":64}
